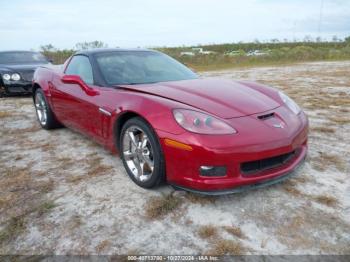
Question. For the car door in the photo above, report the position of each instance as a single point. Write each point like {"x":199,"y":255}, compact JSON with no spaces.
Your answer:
{"x":74,"y":106}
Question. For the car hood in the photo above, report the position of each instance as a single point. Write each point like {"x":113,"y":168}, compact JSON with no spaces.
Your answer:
{"x":224,"y":98}
{"x":20,"y":67}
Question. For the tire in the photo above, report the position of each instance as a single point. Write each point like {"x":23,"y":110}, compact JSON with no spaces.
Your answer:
{"x":139,"y":153}
{"x":45,"y":116}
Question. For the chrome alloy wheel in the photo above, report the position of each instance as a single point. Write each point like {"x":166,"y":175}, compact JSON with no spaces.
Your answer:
{"x":41,"y":108}
{"x":138,"y":153}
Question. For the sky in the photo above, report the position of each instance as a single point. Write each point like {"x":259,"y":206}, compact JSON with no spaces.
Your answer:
{"x":28,"y":24}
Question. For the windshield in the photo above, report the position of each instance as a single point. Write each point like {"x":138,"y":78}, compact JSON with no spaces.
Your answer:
{"x":21,"y":58}
{"x":140,"y":67}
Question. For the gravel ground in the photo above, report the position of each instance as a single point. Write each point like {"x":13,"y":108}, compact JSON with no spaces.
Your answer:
{"x":61,"y":193}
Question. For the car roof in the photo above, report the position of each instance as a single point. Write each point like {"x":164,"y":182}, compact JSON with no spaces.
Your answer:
{"x":19,"y":51}
{"x":107,"y":50}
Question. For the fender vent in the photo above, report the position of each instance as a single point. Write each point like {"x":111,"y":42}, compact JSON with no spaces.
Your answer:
{"x":264,"y":117}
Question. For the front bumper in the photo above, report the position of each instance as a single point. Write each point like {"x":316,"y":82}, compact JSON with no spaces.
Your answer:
{"x":182,"y":166}
{"x":22,"y":87}
{"x":239,"y":189}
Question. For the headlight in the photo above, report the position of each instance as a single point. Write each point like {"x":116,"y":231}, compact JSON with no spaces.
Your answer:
{"x":200,"y":123}
{"x":15,"y":77}
{"x":290,"y":103}
{"x":6,"y":77}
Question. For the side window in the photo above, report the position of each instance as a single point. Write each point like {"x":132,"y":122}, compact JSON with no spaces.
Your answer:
{"x":80,"y":65}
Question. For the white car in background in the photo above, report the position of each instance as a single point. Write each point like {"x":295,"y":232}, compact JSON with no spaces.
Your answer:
{"x":258,"y":53}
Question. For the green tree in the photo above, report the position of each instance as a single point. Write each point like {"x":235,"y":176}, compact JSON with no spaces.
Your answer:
{"x":347,"y":39}
{"x":47,"y":48}
{"x":90,"y":45}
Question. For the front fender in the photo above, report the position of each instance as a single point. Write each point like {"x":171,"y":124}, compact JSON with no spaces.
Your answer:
{"x":156,"y":111}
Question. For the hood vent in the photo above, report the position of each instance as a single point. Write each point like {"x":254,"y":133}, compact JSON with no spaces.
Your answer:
{"x":267,"y":116}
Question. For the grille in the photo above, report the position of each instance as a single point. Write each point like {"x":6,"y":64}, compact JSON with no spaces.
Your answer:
{"x":253,"y":167}
{"x":27,"y":75}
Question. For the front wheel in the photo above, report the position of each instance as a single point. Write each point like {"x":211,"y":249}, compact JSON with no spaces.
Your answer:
{"x":141,"y":153}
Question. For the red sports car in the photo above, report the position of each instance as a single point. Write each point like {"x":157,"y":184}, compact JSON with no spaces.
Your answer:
{"x":205,"y":135}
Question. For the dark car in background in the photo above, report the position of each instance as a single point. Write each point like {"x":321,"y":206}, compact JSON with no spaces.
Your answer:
{"x":17,"y":69}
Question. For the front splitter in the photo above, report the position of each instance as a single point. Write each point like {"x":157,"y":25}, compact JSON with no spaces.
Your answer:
{"x":260,"y":184}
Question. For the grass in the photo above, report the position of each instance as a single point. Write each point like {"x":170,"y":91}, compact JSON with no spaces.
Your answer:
{"x":18,"y":157}
{"x":222,"y":246}
{"x":295,"y":229}
{"x":227,"y":247}
{"x":235,"y":231}
{"x":96,"y":168}
{"x":323,"y":129}
{"x":47,"y":147}
{"x":15,"y":226}
{"x":340,"y":120}
{"x":102,"y":246}
{"x":45,"y":207}
{"x":200,"y":199}
{"x":74,"y":223}
{"x":21,"y":196}
{"x":4,"y":114}
{"x":322,"y":199}
{"x":326,"y":200}
{"x":245,"y":65}
{"x":75,"y":179}
{"x":207,"y":231}
{"x":289,"y":188}
{"x":325,"y":101}
{"x":300,"y":179}
{"x":33,"y":128}
{"x":324,"y":160}
{"x":158,"y":207}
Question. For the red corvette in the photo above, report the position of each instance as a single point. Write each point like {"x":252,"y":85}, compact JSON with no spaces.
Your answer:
{"x":204,"y":135}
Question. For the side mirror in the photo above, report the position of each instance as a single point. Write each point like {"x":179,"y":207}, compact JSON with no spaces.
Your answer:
{"x":75,"y":79}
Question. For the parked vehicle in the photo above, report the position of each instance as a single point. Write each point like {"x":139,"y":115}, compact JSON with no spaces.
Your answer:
{"x":205,"y":135}
{"x":17,"y":69}
{"x":200,"y":50}
{"x":187,"y":54}
{"x":258,"y":53}
{"x":235,"y":53}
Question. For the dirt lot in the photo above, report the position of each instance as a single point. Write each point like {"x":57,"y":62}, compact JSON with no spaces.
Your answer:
{"x":61,"y":193}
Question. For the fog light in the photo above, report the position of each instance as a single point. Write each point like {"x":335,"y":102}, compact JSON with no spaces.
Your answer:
{"x":212,"y":171}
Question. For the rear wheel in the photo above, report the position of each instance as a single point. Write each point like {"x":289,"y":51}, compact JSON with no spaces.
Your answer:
{"x":44,"y":113}
{"x":141,"y":153}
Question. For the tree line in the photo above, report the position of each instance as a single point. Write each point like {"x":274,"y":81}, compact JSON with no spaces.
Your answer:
{"x":275,"y":52}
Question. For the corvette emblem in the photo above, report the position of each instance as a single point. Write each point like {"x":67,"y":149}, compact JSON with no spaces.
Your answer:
{"x":280,"y":125}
